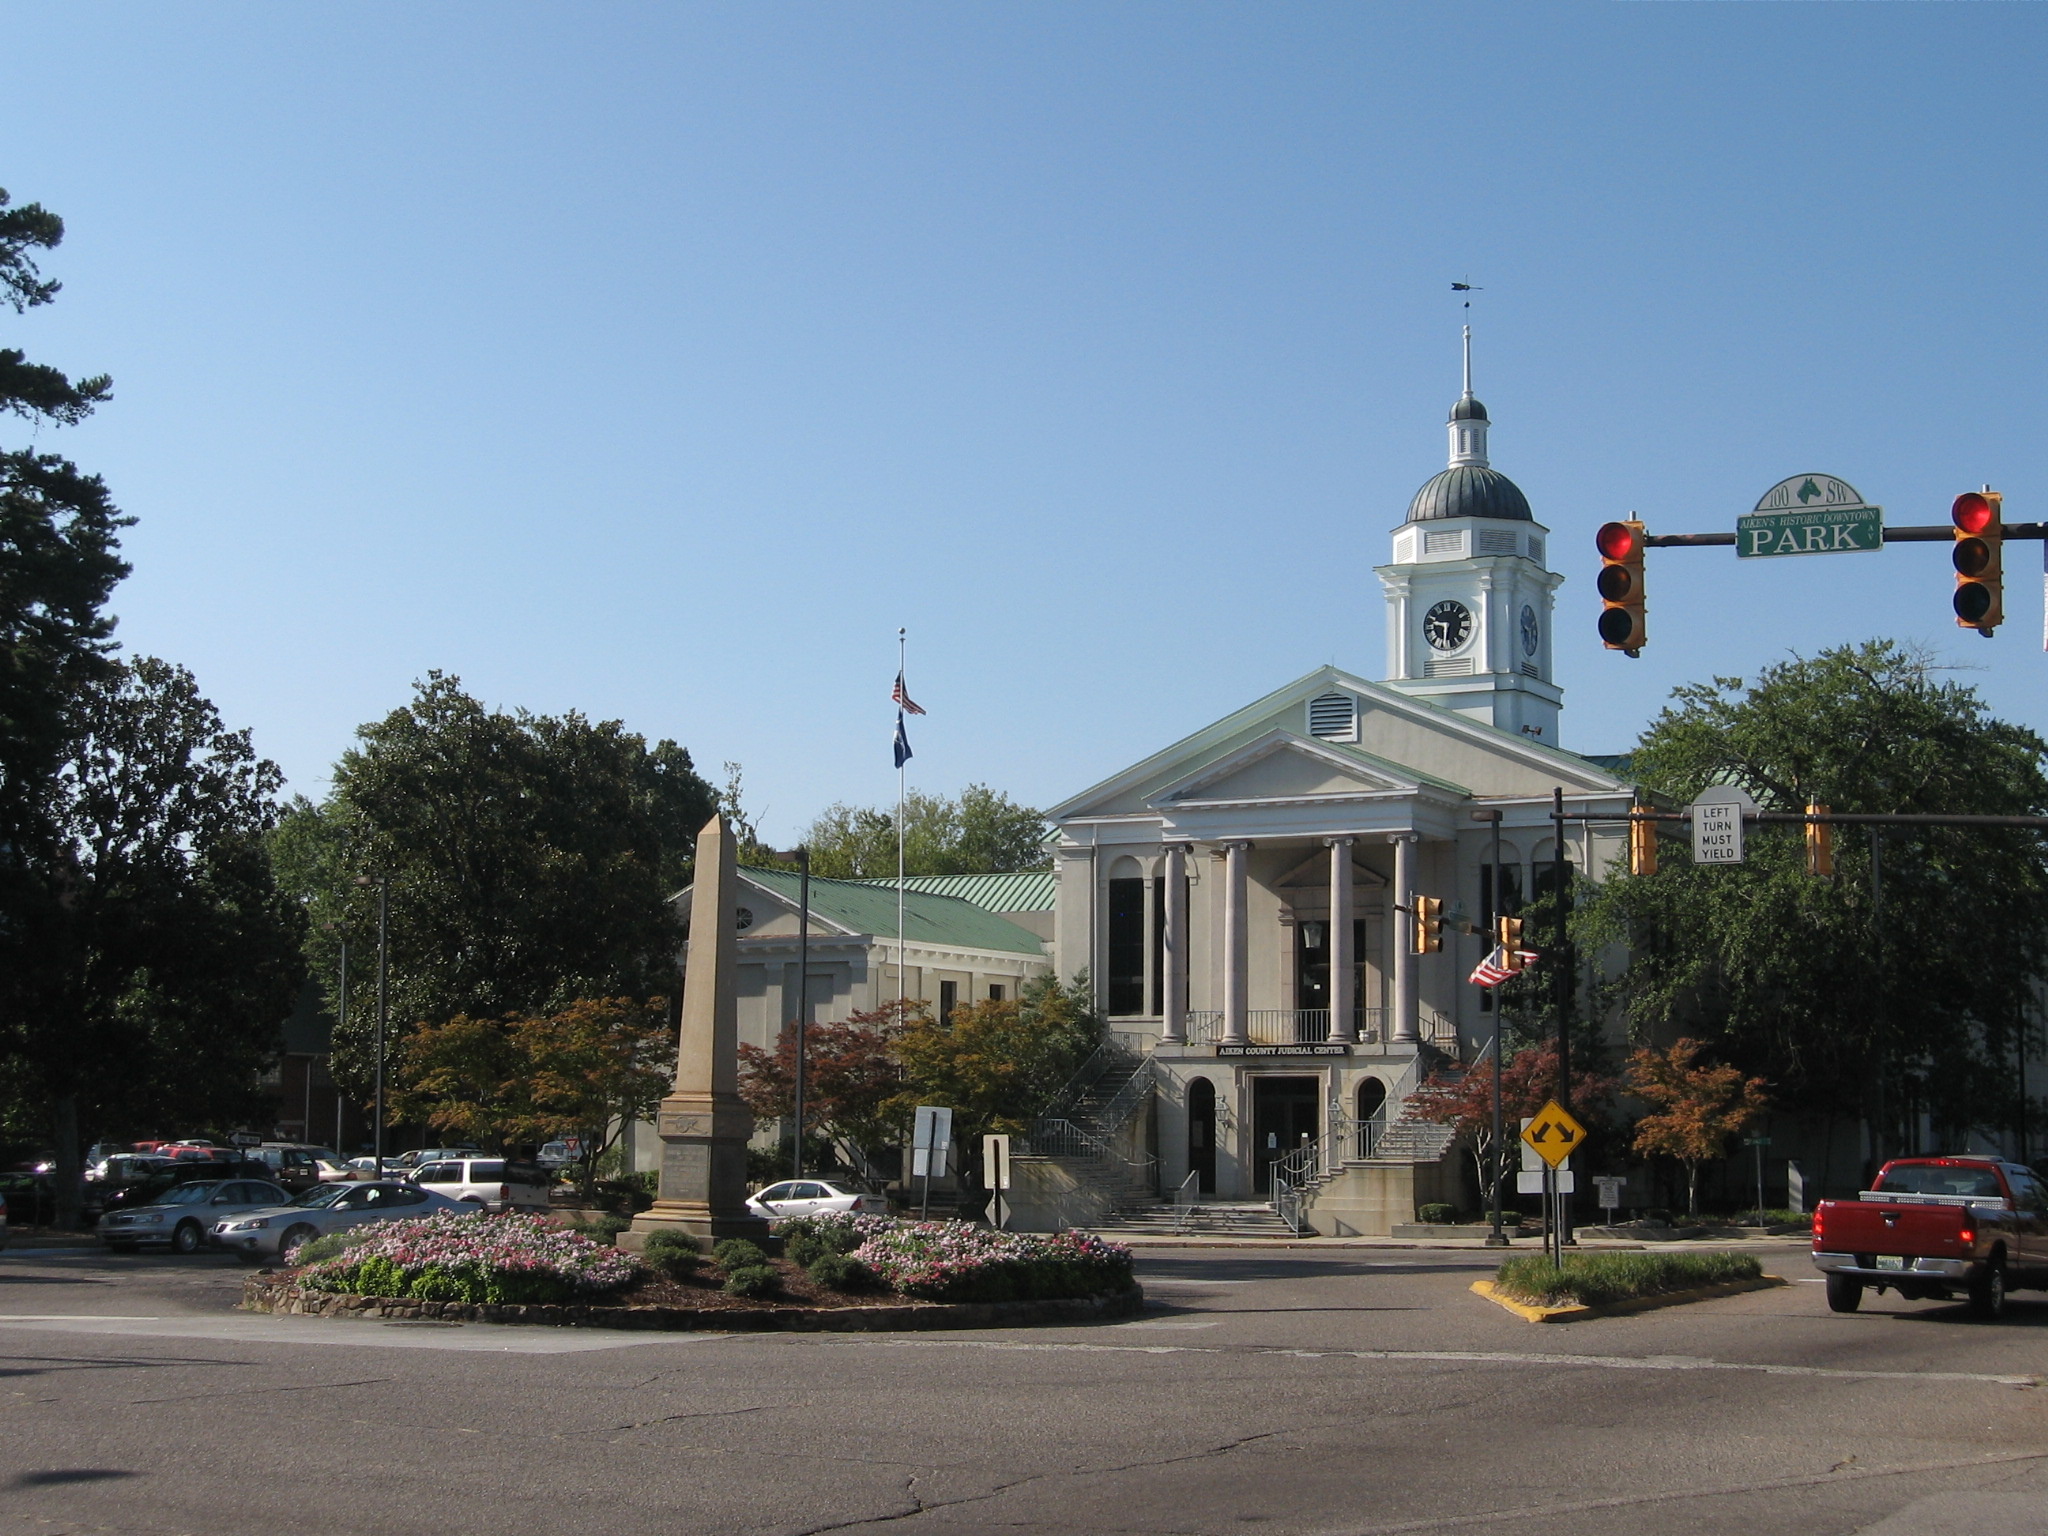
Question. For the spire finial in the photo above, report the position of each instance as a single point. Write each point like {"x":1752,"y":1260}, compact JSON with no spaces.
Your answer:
{"x":1468,"y":362}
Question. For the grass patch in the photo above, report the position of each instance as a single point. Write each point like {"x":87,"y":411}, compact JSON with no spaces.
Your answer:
{"x":1591,"y":1279}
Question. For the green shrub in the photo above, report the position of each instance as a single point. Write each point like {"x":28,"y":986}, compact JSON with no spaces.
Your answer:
{"x":1590,"y":1279}
{"x":738,"y":1253}
{"x":378,"y":1277}
{"x":1437,"y":1214}
{"x":804,"y":1249}
{"x":1774,"y":1218}
{"x":435,"y":1284}
{"x":751,"y":1279}
{"x":599,"y":1226}
{"x":674,"y":1254}
{"x":332,"y":1246}
{"x":629,"y":1192}
{"x":841,"y":1272}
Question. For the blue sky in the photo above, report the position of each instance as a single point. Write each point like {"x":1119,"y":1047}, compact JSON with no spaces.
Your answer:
{"x":658,"y":361}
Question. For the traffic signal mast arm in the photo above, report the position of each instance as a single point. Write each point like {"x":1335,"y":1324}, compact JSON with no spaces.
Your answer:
{"x":1938,"y":534}
{"x":1831,"y":818}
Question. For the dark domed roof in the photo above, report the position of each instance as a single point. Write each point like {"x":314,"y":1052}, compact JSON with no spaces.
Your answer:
{"x":1470,"y":492}
{"x":1468,"y":409}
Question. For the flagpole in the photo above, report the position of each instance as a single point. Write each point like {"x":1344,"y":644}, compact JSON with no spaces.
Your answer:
{"x":902,"y":969}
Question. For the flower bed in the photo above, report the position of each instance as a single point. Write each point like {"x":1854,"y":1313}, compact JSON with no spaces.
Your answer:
{"x":508,"y":1260}
{"x":951,"y":1261}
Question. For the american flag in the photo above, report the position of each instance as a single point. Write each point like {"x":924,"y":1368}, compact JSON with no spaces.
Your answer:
{"x":903,"y":700}
{"x":1493,"y":970}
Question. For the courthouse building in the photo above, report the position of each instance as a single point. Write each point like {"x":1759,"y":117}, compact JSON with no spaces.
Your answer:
{"x":1242,"y":897}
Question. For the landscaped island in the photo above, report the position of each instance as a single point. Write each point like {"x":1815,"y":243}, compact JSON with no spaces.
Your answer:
{"x":1601,"y":1279}
{"x":834,"y":1261}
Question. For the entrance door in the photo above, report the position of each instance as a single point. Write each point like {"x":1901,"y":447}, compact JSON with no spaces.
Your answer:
{"x":1284,"y":1115}
{"x":1202,"y":1134}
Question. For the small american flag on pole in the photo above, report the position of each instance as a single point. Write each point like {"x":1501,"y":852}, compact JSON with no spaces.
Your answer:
{"x":1493,"y":970}
{"x":903,"y":700}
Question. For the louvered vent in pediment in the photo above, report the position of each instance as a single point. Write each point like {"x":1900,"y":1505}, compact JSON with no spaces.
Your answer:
{"x":1333,"y":717}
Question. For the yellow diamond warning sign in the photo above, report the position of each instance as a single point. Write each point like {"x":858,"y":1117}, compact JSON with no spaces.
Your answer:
{"x":1554,"y":1133}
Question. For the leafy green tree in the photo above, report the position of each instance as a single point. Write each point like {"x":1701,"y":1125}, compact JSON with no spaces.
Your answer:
{"x":983,"y":832}
{"x":1848,"y":1007}
{"x":530,"y":862}
{"x":59,"y":561}
{"x":152,"y":989}
{"x":998,"y":1064}
{"x":853,"y":1081}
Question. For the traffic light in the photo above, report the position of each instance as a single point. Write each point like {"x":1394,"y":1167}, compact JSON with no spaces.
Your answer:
{"x":1428,"y":937}
{"x":1979,"y":560}
{"x":1510,"y":931}
{"x":1642,"y":847}
{"x":1621,"y":586}
{"x":1820,"y":842}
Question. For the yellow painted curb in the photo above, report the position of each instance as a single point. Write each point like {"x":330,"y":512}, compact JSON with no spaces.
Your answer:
{"x":1571,"y":1314}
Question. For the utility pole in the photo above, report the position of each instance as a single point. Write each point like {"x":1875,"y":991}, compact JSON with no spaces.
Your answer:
{"x":1562,"y":989}
{"x":1496,"y":1237}
{"x":803,"y":997}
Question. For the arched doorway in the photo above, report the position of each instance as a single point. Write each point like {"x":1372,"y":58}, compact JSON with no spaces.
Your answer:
{"x":1372,"y":1115}
{"x":1202,"y":1134}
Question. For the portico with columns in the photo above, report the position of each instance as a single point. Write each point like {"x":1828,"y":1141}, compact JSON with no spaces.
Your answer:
{"x":1243,"y":900}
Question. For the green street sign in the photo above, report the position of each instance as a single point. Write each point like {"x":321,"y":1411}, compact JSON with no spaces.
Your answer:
{"x":1810,"y":515}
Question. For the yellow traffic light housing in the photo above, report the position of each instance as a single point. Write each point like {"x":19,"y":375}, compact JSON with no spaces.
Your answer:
{"x":1620,"y":584}
{"x":1642,"y":846}
{"x":1509,"y":930}
{"x":1979,"y":559}
{"x":1820,"y":842}
{"x":1428,"y":936}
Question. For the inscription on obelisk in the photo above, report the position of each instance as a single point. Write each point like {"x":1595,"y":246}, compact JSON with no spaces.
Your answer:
{"x":703,"y":1126}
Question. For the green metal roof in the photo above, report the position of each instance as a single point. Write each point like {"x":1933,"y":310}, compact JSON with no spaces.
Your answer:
{"x":1029,"y":891}
{"x":928,"y":917}
{"x":1620,"y":764}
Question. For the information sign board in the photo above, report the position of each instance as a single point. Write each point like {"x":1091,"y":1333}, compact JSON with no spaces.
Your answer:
{"x":1810,"y":515}
{"x":931,"y":1137}
{"x":1717,"y":824}
{"x":1554,"y":1133}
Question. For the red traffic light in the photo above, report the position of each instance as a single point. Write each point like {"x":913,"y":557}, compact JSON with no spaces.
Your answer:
{"x":1973,"y":513}
{"x":1618,"y":541}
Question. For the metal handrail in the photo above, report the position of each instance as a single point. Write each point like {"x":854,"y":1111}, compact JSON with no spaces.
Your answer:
{"x":1187,"y":1199}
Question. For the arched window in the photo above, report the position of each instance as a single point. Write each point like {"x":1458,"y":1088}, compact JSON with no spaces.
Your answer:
{"x":1372,"y":1114}
{"x":1202,"y":1134}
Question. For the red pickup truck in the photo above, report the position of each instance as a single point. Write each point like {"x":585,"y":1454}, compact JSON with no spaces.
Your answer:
{"x":1934,"y":1226}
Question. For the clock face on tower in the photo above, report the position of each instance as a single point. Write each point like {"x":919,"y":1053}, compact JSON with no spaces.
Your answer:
{"x":1531,"y":634}
{"x":1448,"y":625}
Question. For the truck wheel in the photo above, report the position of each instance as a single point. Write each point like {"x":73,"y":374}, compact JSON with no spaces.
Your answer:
{"x":1845,"y":1293}
{"x":1987,"y":1294}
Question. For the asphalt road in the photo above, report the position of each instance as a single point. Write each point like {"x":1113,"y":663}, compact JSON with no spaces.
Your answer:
{"x":1355,"y":1391}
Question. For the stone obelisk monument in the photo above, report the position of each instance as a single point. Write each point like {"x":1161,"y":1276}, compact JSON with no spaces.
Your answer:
{"x":703,"y":1126}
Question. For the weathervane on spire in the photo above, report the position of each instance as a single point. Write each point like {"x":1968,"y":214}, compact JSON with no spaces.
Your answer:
{"x":1467,"y":288}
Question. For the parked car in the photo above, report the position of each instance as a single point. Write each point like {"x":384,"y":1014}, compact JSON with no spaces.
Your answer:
{"x":280,"y":1230}
{"x":1935,"y":1226}
{"x":557,"y":1155}
{"x":497,"y":1183}
{"x":181,"y":1218}
{"x":811,"y":1197}
{"x":151,"y":1189}
{"x":295,"y":1167}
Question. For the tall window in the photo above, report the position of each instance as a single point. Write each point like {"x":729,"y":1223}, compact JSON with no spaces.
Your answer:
{"x":1126,"y":957}
{"x":949,"y":999}
{"x":995,"y":992}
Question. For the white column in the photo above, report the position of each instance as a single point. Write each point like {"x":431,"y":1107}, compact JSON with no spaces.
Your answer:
{"x":1407,"y":1024}
{"x":1343,"y":978}
{"x":1173,"y":986}
{"x":1148,"y":914}
{"x":1236,"y":936}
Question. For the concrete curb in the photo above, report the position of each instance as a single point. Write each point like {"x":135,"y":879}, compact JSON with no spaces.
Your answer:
{"x":1572,"y":1314}
{"x":262,"y":1295}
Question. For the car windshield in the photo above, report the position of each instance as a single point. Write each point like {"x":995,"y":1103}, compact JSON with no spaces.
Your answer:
{"x":187,"y":1194}
{"x":1934,"y":1179}
{"x":322,"y":1195}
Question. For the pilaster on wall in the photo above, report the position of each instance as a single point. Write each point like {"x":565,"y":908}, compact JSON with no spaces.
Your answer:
{"x":1074,"y":939}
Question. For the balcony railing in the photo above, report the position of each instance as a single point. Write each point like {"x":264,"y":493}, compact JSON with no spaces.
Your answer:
{"x":1285,"y":1026}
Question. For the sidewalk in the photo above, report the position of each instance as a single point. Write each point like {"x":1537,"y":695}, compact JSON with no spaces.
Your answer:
{"x":1525,"y":1244}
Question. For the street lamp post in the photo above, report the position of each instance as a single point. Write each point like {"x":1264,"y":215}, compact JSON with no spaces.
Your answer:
{"x":340,"y":1028}
{"x":383,"y":884}
{"x":1496,"y":1237}
{"x":802,"y":856}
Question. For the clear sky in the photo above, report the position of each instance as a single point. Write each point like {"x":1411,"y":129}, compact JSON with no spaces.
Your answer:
{"x":658,"y":361}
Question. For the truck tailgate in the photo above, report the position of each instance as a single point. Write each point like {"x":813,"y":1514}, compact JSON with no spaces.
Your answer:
{"x":1873,"y":1227}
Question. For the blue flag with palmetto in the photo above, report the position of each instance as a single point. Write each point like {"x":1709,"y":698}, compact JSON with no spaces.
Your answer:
{"x":903,"y":752}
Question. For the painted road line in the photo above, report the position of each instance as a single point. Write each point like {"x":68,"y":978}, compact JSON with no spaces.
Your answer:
{"x":1418,"y":1356}
{"x":293,"y":1333}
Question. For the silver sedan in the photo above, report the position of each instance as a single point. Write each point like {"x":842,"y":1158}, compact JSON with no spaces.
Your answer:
{"x":279,"y":1231}
{"x":181,"y":1216}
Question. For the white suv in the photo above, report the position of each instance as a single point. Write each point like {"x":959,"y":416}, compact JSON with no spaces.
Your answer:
{"x":492,"y":1182}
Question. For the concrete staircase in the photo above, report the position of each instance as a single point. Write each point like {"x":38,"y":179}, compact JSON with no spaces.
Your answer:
{"x":1086,"y":1129}
{"x":1211,"y":1219}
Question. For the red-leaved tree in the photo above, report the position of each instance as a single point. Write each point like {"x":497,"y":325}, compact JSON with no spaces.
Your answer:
{"x":1528,"y":1080}
{"x":852,"y":1079}
{"x":1698,"y":1107}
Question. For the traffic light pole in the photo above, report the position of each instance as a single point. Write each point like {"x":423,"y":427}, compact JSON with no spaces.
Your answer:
{"x":1562,"y":987}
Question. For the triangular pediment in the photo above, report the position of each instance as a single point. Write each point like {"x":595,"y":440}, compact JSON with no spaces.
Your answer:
{"x":1396,"y":742}
{"x":1280,"y":766}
